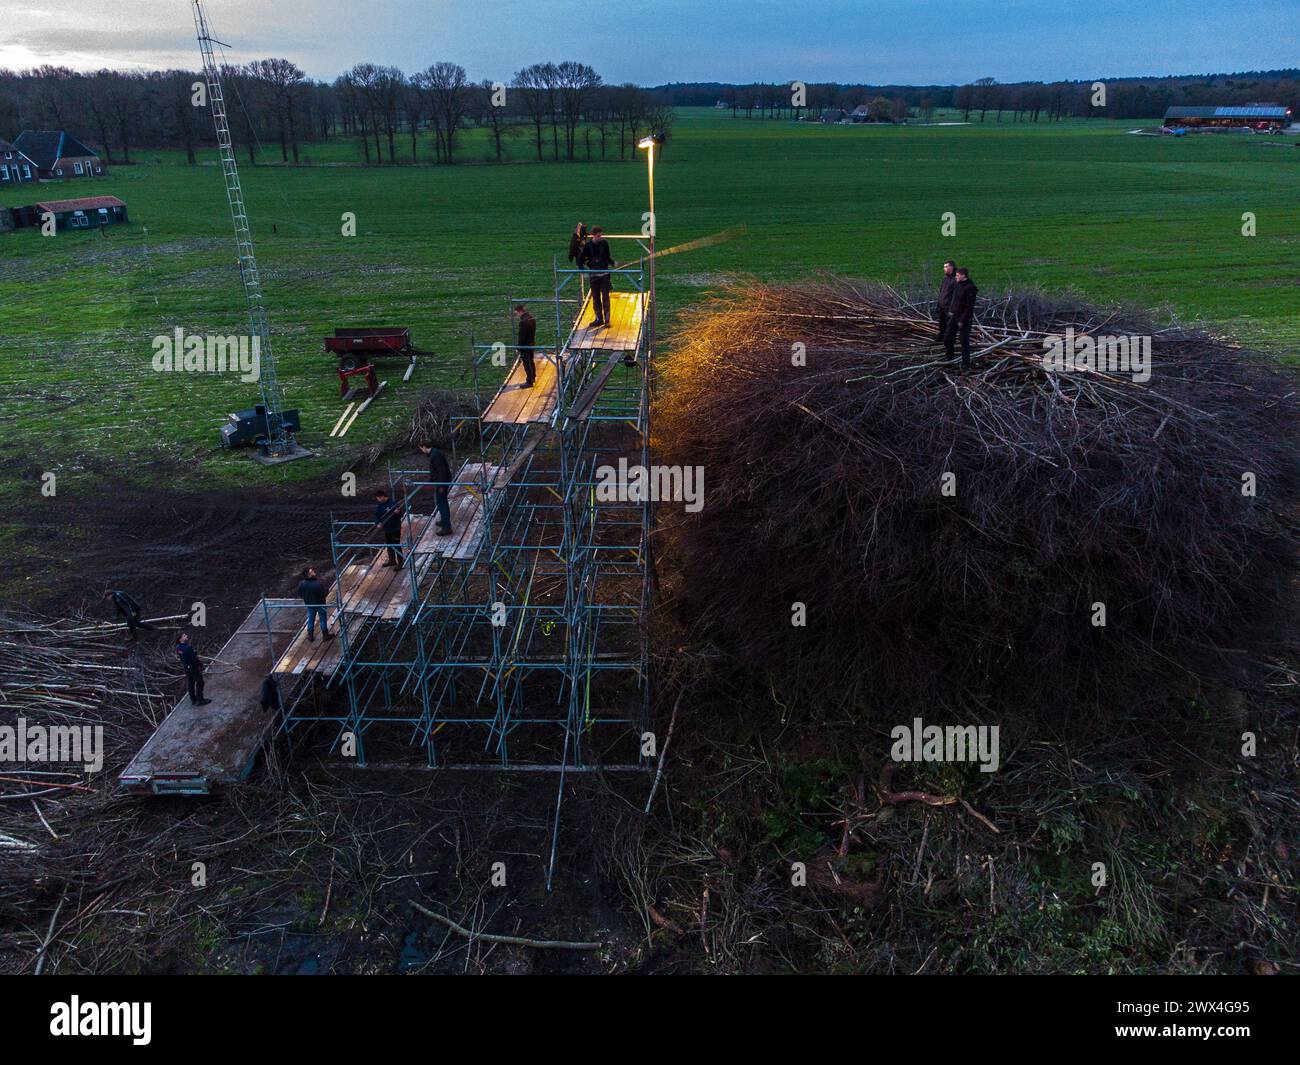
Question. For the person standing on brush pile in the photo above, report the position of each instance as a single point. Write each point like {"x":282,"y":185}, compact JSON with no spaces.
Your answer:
{"x":312,"y":592}
{"x":193,"y":669}
{"x":388,"y":516}
{"x":576,"y":240}
{"x":961,"y":313}
{"x":945,"y":295}
{"x":440,"y":475}
{"x":596,"y":258}
{"x":129,"y":610}
{"x":525,"y":342}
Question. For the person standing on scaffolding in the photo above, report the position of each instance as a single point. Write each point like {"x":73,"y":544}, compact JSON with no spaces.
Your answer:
{"x":596,"y":258}
{"x":525,"y":342}
{"x":388,"y":516}
{"x":440,"y":475}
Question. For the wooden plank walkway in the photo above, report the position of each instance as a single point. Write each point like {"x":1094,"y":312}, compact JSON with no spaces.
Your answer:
{"x":199,"y":749}
{"x":626,"y":309}
{"x":514,"y":403}
{"x":372,"y":590}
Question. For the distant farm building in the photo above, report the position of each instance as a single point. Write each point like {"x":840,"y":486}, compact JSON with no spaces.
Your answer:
{"x":1254,"y":116}
{"x":88,"y":212}
{"x":58,"y":154}
{"x":15,"y":167}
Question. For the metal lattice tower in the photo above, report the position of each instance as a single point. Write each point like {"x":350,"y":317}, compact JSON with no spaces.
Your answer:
{"x":268,"y":381}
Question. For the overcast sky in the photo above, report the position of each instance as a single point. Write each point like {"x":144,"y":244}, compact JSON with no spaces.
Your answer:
{"x":656,"y":41}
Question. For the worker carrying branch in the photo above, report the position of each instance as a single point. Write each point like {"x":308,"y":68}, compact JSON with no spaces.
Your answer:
{"x":597,"y":259}
{"x":127,"y":609}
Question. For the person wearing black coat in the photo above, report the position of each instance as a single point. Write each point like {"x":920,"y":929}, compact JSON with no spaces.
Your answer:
{"x":129,"y":610}
{"x":576,"y":240}
{"x":388,"y":517}
{"x":945,"y":295}
{"x":596,"y":257}
{"x":961,"y":314}
{"x":525,"y":342}
{"x":193,"y":666}
{"x":440,"y":475}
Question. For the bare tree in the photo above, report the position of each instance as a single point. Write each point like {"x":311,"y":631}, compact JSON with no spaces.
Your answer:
{"x":575,"y":83}
{"x":448,"y":91}
{"x":281,"y":82}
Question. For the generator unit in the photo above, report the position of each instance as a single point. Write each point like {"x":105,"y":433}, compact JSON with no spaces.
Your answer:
{"x":247,"y":428}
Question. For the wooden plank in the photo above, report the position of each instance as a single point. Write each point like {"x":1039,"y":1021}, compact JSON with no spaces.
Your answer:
{"x":514,"y":403}
{"x":372,"y":590}
{"x":626,"y":312}
{"x":583,"y":404}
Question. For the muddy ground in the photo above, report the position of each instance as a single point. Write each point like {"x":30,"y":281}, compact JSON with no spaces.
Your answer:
{"x":310,"y":868}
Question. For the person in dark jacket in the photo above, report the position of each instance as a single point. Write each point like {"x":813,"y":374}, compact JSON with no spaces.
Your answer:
{"x":193,"y":666}
{"x":961,"y":313}
{"x":440,"y":475}
{"x":596,"y":258}
{"x":388,"y":517}
{"x":945,"y":295}
{"x":311,"y":590}
{"x":526,"y":341}
{"x":129,"y":610}
{"x":576,"y":240}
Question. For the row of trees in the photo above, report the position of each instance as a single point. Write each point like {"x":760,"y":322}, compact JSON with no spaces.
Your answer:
{"x":1029,"y":101}
{"x":566,"y":110}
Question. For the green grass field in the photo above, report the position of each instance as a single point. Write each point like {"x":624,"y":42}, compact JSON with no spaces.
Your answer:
{"x":1079,"y":204}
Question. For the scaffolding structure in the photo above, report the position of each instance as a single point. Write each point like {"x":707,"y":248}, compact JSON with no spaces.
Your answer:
{"x":520,"y":642}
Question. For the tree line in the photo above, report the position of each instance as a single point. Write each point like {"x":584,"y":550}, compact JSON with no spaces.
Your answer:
{"x":987,"y":97}
{"x":564,"y":111}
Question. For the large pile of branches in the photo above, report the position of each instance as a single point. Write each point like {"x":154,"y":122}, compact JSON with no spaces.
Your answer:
{"x":951,"y":535}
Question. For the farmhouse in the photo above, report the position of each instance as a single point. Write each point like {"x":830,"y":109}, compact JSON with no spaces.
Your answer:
{"x":1253,"y":116}
{"x":15,"y":167}
{"x":58,"y":154}
{"x":85,"y":213}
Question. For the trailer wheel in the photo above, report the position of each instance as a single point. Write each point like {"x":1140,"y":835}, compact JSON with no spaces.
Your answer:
{"x":351,"y":362}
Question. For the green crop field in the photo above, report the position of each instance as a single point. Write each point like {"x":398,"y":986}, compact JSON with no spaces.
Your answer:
{"x":1074,"y":204}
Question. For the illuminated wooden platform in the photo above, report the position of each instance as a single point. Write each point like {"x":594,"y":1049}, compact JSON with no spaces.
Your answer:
{"x":200,"y":749}
{"x":384,"y":593}
{"x":626,"y":312}
{"x":514,"y":403}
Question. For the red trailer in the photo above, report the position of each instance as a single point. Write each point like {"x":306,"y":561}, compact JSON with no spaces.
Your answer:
{"x":356,"y":347}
